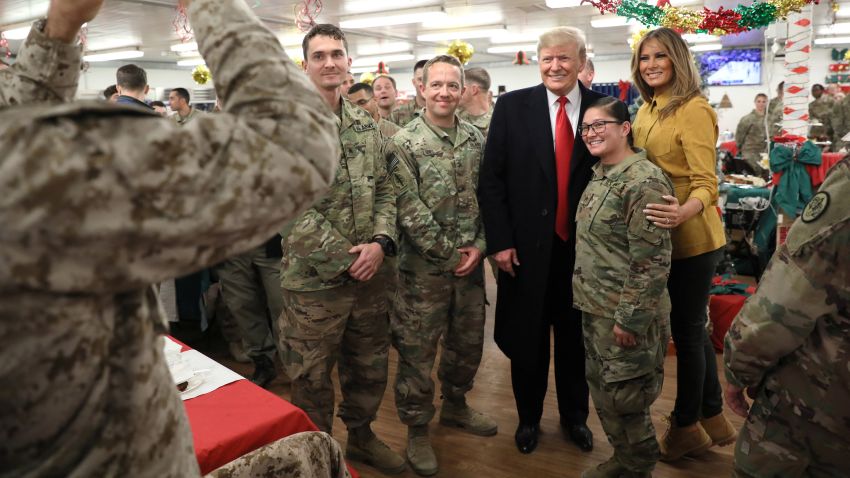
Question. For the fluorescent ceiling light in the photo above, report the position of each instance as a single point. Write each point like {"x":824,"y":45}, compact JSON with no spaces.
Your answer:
{"x":832,"y":41}
{"x":294,"y":53}
{"x":834,"y":29}
{"x":461,"y":34}
{"x":113,"y":55}
{"x":191,"y":62}
{"x":699,"y":38}
{"x":191,"y":46}
{"x":383,"y":48}
{"x":466,"y":20}
{"x":707,"y":47}
{"x":563,"y":3}
{"x":397,"y":17}
{"x":590,"y":54}
{"x":512,"y":48}
{"x":373,"y":60}
{"x":514,"y":37}
{"x":16,"y":33}
{"x":362,"y":6}
{"x":291,"y":39}
{"x":843,"y":10}
{"x":426,"y":56}
{"x":364,"y":69}
{"x":607,"y":21}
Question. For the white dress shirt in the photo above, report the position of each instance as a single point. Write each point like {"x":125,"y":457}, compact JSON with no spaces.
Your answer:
{"x":573,"y":108}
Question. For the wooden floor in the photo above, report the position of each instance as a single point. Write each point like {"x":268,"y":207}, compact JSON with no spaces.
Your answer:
{"x":462,"y":455}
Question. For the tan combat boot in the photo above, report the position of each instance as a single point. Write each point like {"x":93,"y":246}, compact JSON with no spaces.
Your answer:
{"x":420,"y":455}
{"x":459,"y":414}
{"x":365,"y":447}
{"x":680,"y":441}
{"x":722,"y":432}
{"x":613,"y":469}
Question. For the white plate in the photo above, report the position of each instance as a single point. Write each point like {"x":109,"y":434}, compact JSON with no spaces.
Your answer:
{"x":195,"y":381}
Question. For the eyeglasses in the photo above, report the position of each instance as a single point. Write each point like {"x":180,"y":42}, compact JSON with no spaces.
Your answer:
{"x":598,"y":126}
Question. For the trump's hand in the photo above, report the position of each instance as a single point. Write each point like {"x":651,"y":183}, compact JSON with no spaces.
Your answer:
{"x":506,"y":260}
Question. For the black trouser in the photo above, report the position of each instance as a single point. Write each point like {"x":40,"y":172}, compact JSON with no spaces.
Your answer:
{"x":698,"y":393}
{"x":530,"y":378}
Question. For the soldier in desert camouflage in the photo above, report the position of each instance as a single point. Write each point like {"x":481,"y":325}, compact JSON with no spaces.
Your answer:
{"x":620,"y":285}
{"x":789,"y":347}
{"x":99,"y":202}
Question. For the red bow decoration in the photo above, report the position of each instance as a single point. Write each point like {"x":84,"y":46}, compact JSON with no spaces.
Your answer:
{"x":624,"y":86}
{"x":520,"y":58}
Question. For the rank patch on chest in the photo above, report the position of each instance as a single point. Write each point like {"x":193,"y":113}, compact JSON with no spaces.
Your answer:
{"x":816,"y":207}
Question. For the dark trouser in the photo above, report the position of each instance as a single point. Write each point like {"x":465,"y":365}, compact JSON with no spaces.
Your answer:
{"x":698,"y":393}
{"x":531,"y":377}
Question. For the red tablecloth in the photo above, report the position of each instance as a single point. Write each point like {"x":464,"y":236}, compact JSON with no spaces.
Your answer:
{"x":722,"y":311}
{"x":239,"y":418}
{"x":817,"y":173}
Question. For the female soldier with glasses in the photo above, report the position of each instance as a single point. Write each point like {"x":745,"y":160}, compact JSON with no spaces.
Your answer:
{"x":620,"y":285}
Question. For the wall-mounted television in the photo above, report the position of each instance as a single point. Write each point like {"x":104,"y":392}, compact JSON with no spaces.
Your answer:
{"x":731,"y":67}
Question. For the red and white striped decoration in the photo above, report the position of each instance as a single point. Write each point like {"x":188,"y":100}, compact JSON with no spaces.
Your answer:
{"x":798,"y":47}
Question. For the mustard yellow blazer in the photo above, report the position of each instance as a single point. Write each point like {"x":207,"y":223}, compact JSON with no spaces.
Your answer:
{"x":683,"y":145}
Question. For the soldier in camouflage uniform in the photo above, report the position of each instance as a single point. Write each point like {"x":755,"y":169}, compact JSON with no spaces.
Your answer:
{"x":363,"y":96}
{"x":99,"y":202}
{"x":336,"y":309}
{"x":435,"y":161}
{"x":620,"y":285}
{"x":840,"y":122}
{"x":820,"y":109}
{"x":774,"y":111}
{"x":750,"y":136}
{"x":307,"y":455}
{"x":411,"y":110}
{"x":475,"y":103}
{"x":790,"y":347}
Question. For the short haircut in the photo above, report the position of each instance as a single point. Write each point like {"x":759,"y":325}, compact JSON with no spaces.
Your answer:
{"x":131,"y":77}
{"x":183,"y":93}
{"x":325,"y":30}
{"x":780,"y":86}
{"x":589,"y":65}
{"x":419,"y":65}
{"x":361,"y":87}
{"x":392,"y":80}
{"x":563,"y":36}
{"x":109,"y":91}
{"x":442,"y":59}
{"x":157,"y":103}
{"x":761,"y":95}
{"x":818,"y":86}
{"x":479,"y":76}
{"x":617,"y":109}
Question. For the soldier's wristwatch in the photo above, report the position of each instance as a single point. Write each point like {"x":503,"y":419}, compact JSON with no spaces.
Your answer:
{"x":387,"y":244}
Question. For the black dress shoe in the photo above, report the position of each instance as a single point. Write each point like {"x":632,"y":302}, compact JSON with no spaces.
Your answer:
{"x":526,"y":437}
{"x":580,"y":435}
{"x":264,"y":371}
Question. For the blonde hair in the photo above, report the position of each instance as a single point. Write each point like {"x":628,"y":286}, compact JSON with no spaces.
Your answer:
{"x":564,"y":36}
{"x":685,"y":80}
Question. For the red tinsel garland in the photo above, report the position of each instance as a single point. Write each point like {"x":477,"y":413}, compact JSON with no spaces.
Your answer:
{"x":306,"y":13}
{"x":181,"y":24}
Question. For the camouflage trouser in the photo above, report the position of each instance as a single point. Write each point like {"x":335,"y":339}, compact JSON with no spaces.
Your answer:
{"x":350,"y":324}
{"x":430,"y":305}
{"x":623,"y":384}
{"x":308,"y":454}
{"x":777,"y":442}
{"x":250,"y":285}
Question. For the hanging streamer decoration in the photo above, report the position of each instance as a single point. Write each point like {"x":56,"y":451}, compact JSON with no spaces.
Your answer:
{"x":715,"y":22}
{"x":798,"y":47}
{"x":461,"y":50}
{"x":201,"y":74}
{"x":181,"y":24}
{"x":306,"y":13}
{"x":382,"y":69}
{"x":521,"y":58}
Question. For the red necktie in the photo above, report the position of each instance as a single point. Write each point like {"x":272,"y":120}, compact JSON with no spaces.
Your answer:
{"x":564,"y":139}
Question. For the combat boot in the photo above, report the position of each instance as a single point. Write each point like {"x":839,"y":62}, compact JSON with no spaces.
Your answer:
{"x":264,"y":371}
{"x":722,"y":432}
{"x":613,"y":469}
{"x":680,"y":441}
{"x":420,"y":455}
{"x":457,"y":413}
{"x":364,"y":446}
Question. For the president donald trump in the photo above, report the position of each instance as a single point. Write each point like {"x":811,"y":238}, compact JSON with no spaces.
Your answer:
{"x":534,"y":171}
